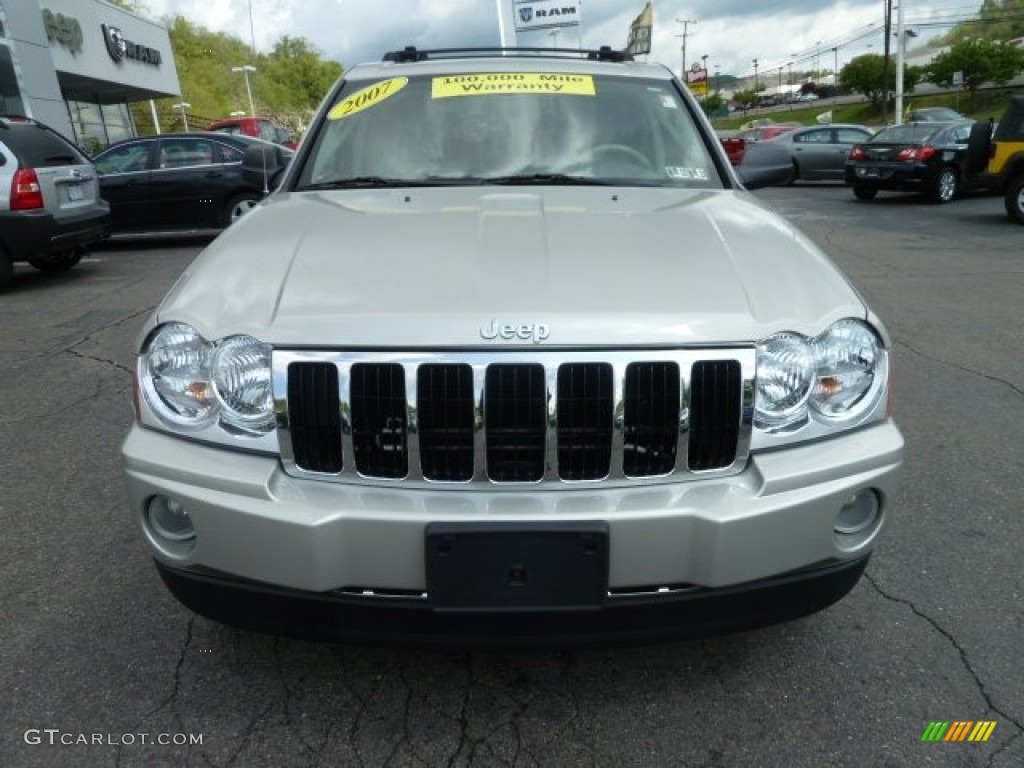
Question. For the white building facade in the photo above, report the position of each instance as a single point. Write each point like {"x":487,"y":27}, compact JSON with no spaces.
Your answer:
{"x":77,"y":64}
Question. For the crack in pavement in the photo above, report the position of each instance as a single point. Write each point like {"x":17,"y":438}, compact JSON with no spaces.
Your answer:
{"x":964,"y":368}
{"x":88,"y":337}
{"x":463,"y":720}
{"x":247,"y":734}
{"x":105,"y":361}
{"x":1005,"y":747}
{"x":170,"y":698}
{"x":955,"y":643}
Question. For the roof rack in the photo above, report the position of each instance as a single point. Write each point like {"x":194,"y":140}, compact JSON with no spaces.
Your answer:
{"x":411,"y":53}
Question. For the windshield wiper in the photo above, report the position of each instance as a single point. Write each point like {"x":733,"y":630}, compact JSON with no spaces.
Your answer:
{"x":546,"y":178}
{"x":370,"y":182}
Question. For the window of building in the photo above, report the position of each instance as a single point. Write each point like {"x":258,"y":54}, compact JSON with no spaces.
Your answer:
{"x":10,"y":92}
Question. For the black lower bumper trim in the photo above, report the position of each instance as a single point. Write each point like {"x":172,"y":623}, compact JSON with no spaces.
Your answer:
{"x":412,"y":623}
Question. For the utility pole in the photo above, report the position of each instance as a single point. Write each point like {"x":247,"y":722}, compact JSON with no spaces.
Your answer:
{"x":885,"y":65}
{"x":686,"y":23}
{"x":755,"y":77}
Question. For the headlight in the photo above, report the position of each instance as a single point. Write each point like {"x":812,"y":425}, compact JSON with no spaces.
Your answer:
{"x":847,"y":360}
{"x":176,"y":377}
{"x":831,"y":379}
{"x":785,"y":374}
{"x":242,"y":382}
{"x":192,"y":384}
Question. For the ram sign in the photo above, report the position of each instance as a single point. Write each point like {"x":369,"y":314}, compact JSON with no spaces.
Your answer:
{"x":547,"y":14}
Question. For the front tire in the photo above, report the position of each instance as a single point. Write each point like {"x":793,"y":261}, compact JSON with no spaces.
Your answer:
{"x":238,"y":206}
{"x":864,"y":192}
{"x":945,"y":187}
{"x":1015,"y":199}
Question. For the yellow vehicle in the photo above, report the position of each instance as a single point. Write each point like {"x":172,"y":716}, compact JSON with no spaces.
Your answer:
{"x":1005,"y":170}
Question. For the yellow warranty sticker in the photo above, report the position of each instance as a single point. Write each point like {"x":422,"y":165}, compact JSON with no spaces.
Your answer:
{"x":511,"y":82}
{"x":367,"y":97}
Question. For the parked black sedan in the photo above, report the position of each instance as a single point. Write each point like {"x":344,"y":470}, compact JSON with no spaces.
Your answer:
{"x":176,"y":182}
{"x":930,"y":158}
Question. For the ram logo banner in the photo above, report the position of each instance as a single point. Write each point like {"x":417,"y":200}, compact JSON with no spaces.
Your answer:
{"x":958,"y":730}
{"x":547,"y":14}
{"x":639,"y":41}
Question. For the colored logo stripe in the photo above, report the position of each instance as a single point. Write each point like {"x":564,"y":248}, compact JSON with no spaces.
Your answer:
{"x":935,"y":731}
{"x":958,"y":730}
{"x":982,"y":730}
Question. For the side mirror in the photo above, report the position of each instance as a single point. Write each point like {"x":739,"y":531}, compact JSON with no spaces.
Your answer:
{"x":263,"y":166}
{"x":764,"y":165}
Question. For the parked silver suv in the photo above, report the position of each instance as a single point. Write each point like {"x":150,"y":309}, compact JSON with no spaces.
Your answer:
{"x":50,"y":206}
{"x":511,"y":356}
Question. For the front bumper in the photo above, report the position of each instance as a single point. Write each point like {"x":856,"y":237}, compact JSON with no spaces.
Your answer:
{"x":259,"y":531}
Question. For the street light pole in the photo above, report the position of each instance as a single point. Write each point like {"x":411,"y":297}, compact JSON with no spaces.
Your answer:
{"x":182,"y":105}
{"x":245,"y":69}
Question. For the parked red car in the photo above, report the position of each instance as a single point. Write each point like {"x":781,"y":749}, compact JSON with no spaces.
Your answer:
{"x":257,"y":127}
{"x":736,"y":144}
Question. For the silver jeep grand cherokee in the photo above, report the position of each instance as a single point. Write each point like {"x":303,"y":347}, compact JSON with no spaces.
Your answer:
{"x":511,"y":357}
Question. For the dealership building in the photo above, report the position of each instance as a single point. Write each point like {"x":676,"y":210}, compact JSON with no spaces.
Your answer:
{"x":77,"y":64}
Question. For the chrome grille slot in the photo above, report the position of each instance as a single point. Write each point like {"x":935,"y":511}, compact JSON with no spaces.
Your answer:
{"x":445,"y":412}
{"x":585,"y":412}
{"x":714,"y":414}
{"x":315,"y":418}
{"x":652,"y":400}
{"x":514,"y":414}
{"x":501,"y":418}
{"x":379,"y":420}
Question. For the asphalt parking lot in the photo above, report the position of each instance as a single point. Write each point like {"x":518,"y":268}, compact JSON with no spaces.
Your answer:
{"x":100,"y":664}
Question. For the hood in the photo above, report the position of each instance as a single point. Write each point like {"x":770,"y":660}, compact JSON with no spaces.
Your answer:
{"x":472,"y":267}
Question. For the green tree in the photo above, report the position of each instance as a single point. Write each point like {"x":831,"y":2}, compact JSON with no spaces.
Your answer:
{"x":979,"y":61}
{"x":713,"y":104}
{"x":866,"y":75}
{"x":135,"y":6}
{"x":287,"y":85}
{"x":297,"y":77}
{"x":996,"y":20}
{"x":746,"y":98}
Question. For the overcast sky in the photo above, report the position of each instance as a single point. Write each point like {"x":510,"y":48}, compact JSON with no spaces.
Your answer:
{"x":730,"y":32}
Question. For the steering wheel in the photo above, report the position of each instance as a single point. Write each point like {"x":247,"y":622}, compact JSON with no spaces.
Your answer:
{"x":624,"y":152}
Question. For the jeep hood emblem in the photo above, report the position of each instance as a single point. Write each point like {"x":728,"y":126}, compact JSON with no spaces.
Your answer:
{"x":535,"y":332}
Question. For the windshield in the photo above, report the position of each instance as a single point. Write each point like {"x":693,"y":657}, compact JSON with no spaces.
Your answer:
{"x":508,"y":128}
{"x":908,"y":133}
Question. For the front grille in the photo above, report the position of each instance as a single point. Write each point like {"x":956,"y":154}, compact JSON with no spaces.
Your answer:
{"x":586,"y":404}
{"x":514,"y":417}
{"x":652,"y":408}
{"x":378,"y":419}
{"x":514,"y":413}
{"x":314,"y":418}
{"x":445,"y":408}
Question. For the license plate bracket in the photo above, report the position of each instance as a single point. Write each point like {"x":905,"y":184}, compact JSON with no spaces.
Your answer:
{"x":517,"y":567}
{"x":75,"y":193}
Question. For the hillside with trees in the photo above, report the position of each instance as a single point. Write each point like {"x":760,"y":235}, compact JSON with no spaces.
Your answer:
{"x":996,"y":20}
{"x":288,"y":84}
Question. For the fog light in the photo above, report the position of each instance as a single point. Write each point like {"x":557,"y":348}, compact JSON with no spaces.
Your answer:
{"x":169,"y":520}
{"x":858,"y":514}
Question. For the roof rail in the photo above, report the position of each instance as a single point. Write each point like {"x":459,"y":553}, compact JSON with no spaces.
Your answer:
{"x":411,"y":53}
